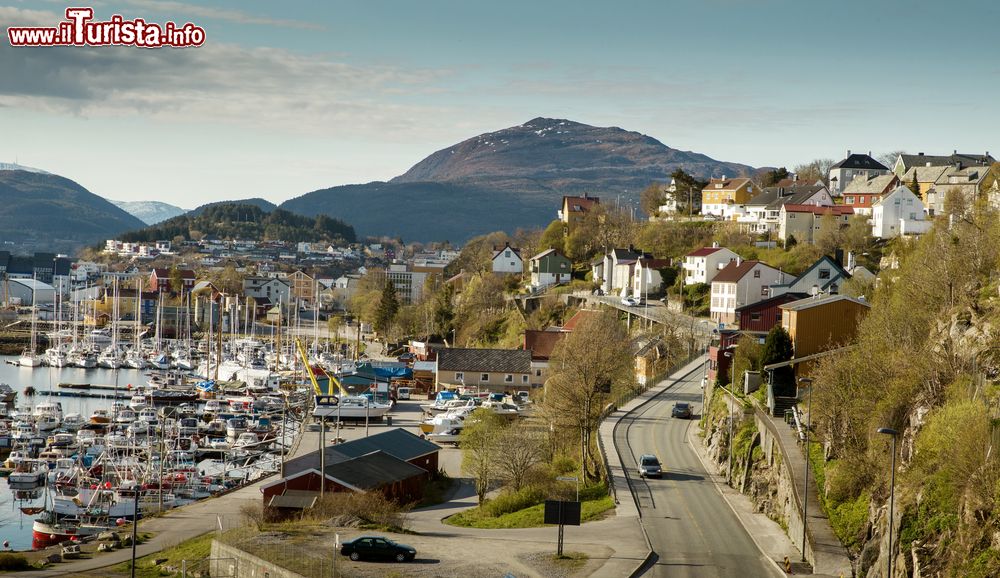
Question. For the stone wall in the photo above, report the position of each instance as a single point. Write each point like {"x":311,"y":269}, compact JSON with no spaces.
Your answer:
{"x":231,"y":562}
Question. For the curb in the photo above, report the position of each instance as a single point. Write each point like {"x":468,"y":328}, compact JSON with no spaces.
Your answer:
{"x":641,"y":567}
{"x":692,"y":438}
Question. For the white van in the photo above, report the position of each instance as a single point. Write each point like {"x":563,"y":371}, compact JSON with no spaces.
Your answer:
{"x":403,"y":393}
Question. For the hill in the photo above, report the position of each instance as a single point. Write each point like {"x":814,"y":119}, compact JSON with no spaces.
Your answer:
{"x":242,"y":221}
{"x":507,"y":179}
{"x":263,"y":204}
{"x":150,"y":212}
{"x":48,"y":212}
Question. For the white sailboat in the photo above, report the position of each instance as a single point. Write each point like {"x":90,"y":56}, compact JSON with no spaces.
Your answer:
{"x":30,"y":357}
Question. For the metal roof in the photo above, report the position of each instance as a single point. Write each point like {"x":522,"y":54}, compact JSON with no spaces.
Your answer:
{"x":484,"y":360}
{"x":373,"y":470}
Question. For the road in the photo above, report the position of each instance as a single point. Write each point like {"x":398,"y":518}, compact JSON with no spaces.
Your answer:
{"x":692,"y":529}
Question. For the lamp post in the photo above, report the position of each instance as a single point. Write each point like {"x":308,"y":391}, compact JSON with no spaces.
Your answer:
{"x":892,"y":487}
{"x":805,"y":482}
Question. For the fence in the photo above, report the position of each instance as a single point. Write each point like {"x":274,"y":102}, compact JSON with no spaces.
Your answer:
{"x":287,"y":552}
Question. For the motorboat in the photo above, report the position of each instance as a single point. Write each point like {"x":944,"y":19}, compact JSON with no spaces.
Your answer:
{"x":73,"y":421}
{"x":454,"y":404}
{"x":100,"y":415}
{"x":28,"y":474}
{"x":441,"y":423}
{"x":353,"y":407}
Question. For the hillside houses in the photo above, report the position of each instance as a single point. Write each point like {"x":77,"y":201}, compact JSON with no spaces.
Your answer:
{"x":720,"y":197}
{"x":702,"y":265}
{"x":740,"y":283}
{"x":852,"y":167}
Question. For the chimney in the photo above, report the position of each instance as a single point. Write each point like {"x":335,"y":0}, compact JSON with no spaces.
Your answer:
{"x":838,"y":256}
{"x":715,"y":244}
{"x":920,"y":154}
{"x":738,"y":260}
{"x":848,"y":152}
{"x":851,"y":261}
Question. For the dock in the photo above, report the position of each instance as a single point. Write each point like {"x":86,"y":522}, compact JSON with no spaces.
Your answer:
{"x":83,"y":393}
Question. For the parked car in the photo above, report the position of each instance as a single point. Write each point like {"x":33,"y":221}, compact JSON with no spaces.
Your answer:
{"x":407,"y":357}
{"x":681,"y":410}
{"x":649,"y":466}
{"x":377,"y":547}
{"x":630,"y":301}
{"x":402,"y":393}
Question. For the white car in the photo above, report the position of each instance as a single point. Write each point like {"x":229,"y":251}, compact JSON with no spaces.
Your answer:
{"x":630,"y":301}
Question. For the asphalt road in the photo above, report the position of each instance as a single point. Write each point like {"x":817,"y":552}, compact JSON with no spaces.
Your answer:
{"x":692,"y":529}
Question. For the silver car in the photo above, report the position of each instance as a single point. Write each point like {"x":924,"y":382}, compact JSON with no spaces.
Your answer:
{"x":649,"y":466}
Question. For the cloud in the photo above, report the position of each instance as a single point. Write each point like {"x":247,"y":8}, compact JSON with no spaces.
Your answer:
{"x":217,"y":83}
{"x":227,"y":15}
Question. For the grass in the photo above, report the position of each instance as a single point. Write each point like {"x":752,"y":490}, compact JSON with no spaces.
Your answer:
{"x":847,"y":518}
{"x":595,"y":504}
{"x":193,"y":549}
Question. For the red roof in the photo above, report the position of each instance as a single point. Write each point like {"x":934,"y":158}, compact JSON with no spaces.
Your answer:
{"x":162,"y":273}
{"x":580,"y":204}
{"x":578,"y":317}
{"x":835,"y":210}
{"x":733,"y":272}
{"x":703,"y":252}
{"x":542,"y":343}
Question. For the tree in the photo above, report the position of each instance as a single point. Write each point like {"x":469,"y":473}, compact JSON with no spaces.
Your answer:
{"x":815,"y":170}
{"x":889,"y":159}
{"x":651,"y":198}
{"x":552,"y":237}
{"x":590,"y":364}
{"x":444,"y":312}
{"x":828,"y":238}
{"x":388,"y":308}
{"x":519,"y":453}
{"x":915,"y":186}
{"x":778,"y":348}
{"x":772,"y":177}
{"x":688,"y":190}
{"x":481,"y":439}
{"x":176,"y":280}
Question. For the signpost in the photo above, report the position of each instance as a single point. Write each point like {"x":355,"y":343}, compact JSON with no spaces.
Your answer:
{"x":562,"y":513}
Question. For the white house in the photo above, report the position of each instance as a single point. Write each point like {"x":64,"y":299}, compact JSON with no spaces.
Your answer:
{"x":507,"y":259}
{"x":899,"y":213}
{"x":274,"y":290}
{"x":762,"y":213}
{"x":852,"y":167}
{"x":614,"y":270}
{"x":646,"y":276}
{"x":702,"y":265}
{"x":824,"y":276}
{"x":741,"y":283}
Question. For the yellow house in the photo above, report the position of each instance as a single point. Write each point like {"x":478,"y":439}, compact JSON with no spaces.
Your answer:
{"x":722,"y":194}
{"x":926,"y":177}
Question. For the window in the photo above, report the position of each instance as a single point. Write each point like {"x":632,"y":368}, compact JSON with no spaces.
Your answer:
{"x":763,"y":291}
{"x":524,"y":378}
{"x":755,"y":316}
{"x":484,"y":377}
{"x":862,"y":200}
{"x":459,"y":376}
{"x":824,"y":273}
{"x":756,"y":274}
{"x":507,"y":253}
{"x":508,"y":378}
{"x":538,"y":373}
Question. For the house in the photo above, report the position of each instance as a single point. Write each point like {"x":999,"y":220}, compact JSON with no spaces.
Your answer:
{"x":821,"y":323}
{"x":395,"y":462}
{"x":758,"y":318}
{"x":802,"y":222}
{"x":968,"y":181}
{"x":267,"y":288}
{"x":741,"y":283}
{"x":159,"y":280}
{"x":922,"y":178}
{"x":549,"y":268}
{"x":507,"y":259}
{"x":904,"y":162}
{"x":720,"y":195}
{"x":409,"y":284}
{"x":488,"y":369}
{"x":762,"y":212}
{"x":702,"y":265}
{"x":303,"y":286}
{"x":646,"y":276}
{"x":541,"y":344}
{"x":613,"y":271}
{"x":852,"y":167}
{"x":899,"y":213}
{"x":574,"y":209}
{"x":45,"y":267}
{"x":824,"y":276}
{"x":863,"y":192}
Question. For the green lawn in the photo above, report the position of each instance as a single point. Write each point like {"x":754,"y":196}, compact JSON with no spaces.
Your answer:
{"x":527,"y":518}
{"x":190,"y":550}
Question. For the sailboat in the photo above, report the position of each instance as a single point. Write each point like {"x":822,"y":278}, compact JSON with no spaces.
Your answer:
{"x":29,"y":357}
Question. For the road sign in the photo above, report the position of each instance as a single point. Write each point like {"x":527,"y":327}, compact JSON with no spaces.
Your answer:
{"x":562,"y":512}
{"x":568,"y":478}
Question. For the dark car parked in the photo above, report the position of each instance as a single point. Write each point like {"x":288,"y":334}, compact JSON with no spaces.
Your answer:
{"x":377,"y":547}
{"x":682,"y":410}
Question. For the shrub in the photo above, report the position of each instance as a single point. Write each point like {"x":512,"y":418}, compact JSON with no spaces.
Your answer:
{"x":563,"y":465}
{"x":9,"y":561}
{"x":508,"y":502}
{"x":356,"y":509}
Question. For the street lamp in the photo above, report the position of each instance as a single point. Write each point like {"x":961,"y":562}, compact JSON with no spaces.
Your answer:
{"x":807,"y":382}
{"x":892,"y":486}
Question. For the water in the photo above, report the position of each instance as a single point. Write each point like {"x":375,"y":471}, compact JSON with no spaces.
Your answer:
{"x":15,"y":526}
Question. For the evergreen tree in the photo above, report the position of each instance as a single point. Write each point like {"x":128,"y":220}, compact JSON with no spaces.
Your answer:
{"x":915,"y":186}
{"x":388,"y":307}
{"x":778,"y":348}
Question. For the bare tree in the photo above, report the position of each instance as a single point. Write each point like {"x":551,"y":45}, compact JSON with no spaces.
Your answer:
{"x":481,"y":438}
{"x":591,"y":364}
{"x":519,"y":452}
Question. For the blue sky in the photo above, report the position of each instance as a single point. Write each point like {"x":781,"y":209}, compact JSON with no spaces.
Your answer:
{"x":287,"y":97}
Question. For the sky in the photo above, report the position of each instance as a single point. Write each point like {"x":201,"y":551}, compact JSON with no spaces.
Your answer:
{"x":288,"y":97}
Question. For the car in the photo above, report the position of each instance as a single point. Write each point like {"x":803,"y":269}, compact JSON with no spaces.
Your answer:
{"x":406,"y":357}
{"x":649,"y":466}
{"x":372,"y":547}
{"x":630,"y":301}
{"x":681,"y":410}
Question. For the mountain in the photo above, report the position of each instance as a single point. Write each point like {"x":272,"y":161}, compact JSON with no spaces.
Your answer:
{"x":17,"y":167}
{"x":507,"y":179}
{"x":263,"y":204}
{"x":48,"y":212}
{"x":149,"y":212}
{"x":245,"y":221}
